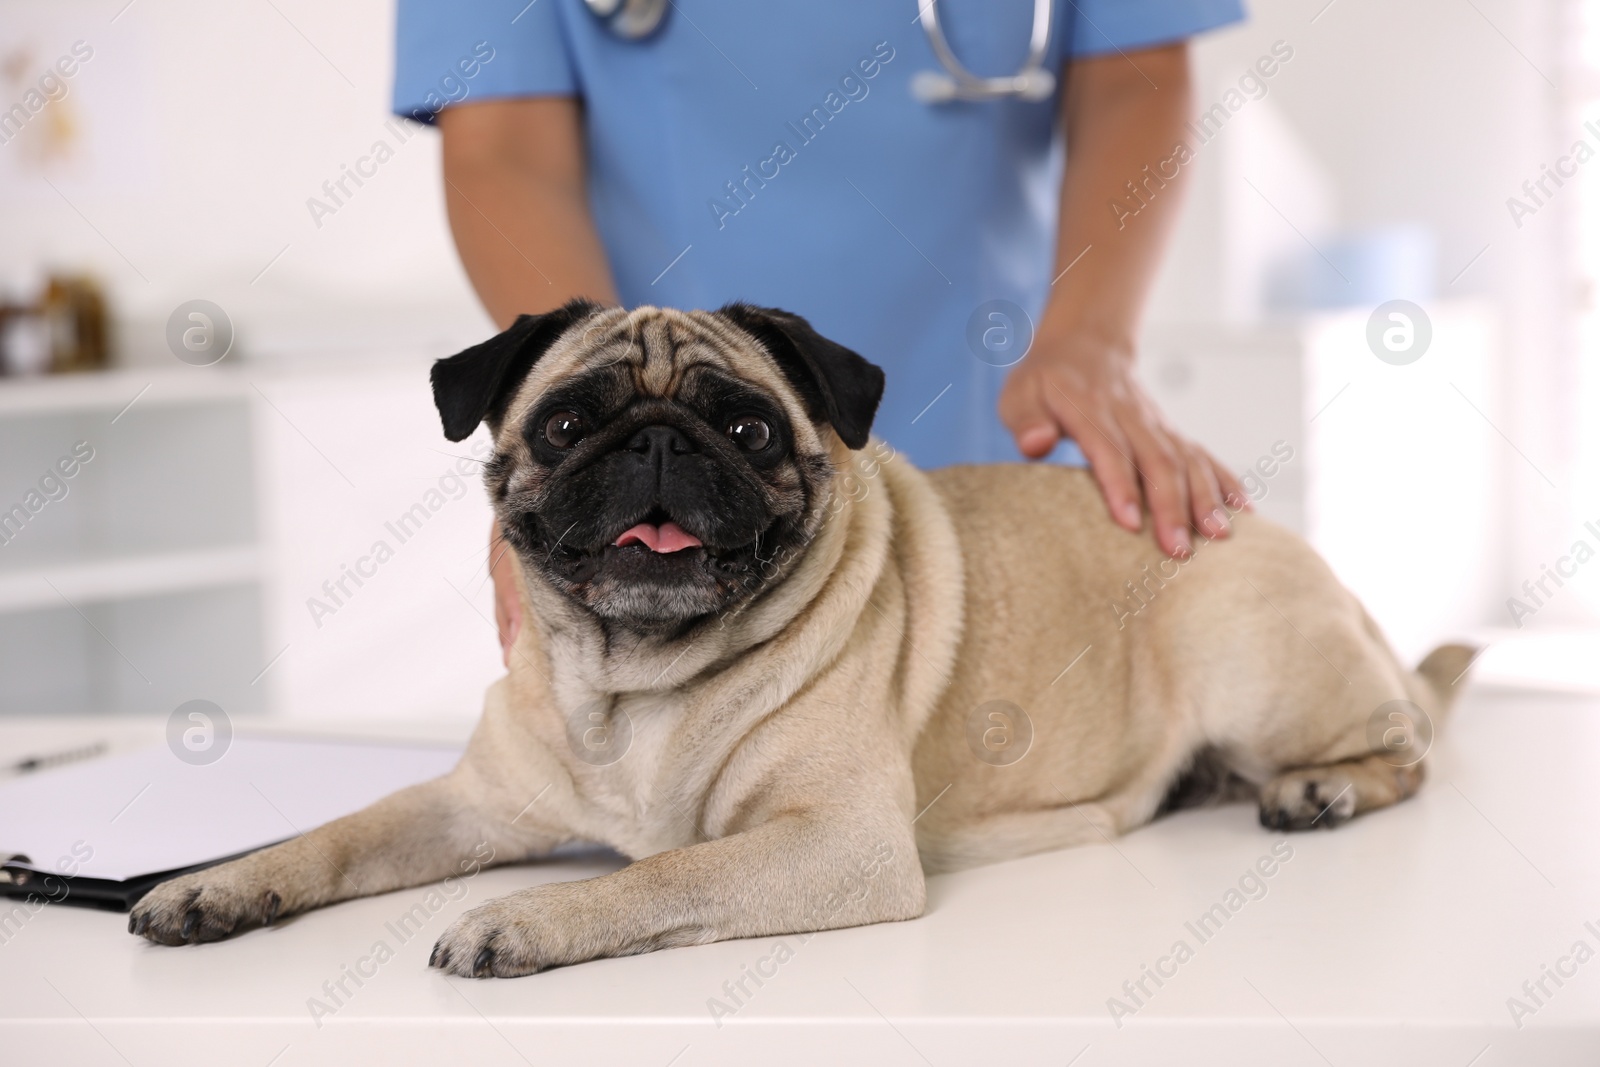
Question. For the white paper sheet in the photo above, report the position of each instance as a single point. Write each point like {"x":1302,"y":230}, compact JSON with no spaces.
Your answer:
{"x":147,"y":811}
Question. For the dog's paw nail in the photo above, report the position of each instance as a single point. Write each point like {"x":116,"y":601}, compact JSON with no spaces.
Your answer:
{"x":191,"y":922}
{"x":133,"y":924}
{"x":433,"y":957}
{"x":1313,"y":799}
{"x":273,"y":903}
{"x":481,"y":965}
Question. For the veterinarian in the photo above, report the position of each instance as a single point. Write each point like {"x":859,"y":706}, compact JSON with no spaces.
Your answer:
{"x":892,"y":172}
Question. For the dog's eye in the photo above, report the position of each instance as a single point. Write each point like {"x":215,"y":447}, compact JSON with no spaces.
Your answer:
{"x":564,"y":429}
{"x":750,"y":433}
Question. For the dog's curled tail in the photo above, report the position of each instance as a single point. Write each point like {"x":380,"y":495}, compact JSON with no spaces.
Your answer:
{"x":1440,"y":676}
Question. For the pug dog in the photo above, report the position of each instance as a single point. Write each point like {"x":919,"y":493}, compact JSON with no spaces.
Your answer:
{"x":788,"y":675}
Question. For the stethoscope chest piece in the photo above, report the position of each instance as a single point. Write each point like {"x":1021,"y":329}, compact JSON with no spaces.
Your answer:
{"x":631,"y":20}
{"x":1032,"y":82}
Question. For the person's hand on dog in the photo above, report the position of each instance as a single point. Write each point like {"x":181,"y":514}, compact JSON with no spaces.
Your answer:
{"x":507,"y":605}
{"x":1081,"y":387}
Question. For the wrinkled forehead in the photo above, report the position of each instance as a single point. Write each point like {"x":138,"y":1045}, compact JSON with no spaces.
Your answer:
{"x":655,"y":352}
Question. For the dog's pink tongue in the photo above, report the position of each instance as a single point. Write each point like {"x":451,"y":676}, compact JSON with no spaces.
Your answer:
{"x":668,"y":537}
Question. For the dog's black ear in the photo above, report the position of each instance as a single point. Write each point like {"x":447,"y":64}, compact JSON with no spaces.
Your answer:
{"x":837,"y":384}
{"x":479,"y":383}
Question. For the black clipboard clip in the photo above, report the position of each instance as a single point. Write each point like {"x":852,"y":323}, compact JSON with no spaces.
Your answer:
{"x":18,"y":881}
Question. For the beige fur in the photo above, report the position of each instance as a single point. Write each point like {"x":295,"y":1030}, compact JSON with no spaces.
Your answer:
{"x":779,"y":761}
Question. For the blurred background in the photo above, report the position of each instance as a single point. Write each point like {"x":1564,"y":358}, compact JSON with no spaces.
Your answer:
{"x":214,"y":406}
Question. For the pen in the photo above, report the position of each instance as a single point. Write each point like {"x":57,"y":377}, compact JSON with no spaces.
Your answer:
{"x":71,"y":755}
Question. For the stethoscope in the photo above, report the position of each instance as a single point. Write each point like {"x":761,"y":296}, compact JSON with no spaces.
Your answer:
{"x":634,"y":20}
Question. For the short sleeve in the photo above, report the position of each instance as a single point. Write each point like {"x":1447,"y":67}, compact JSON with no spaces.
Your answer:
{"x":451,"y":51}
{"x":1098,"y":26}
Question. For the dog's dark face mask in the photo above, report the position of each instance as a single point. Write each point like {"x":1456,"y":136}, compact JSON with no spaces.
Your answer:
{"x":659,"y":468}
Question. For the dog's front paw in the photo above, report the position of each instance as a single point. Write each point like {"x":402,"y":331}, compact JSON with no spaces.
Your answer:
{"x":204,"y":906}
{"x":1310,"y":799}
{"x":504,"y":938}
{"x":548,"y":926}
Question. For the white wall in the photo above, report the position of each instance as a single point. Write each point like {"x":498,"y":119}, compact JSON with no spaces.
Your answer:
{"x":1425,"y":113}
{"x":205,"y":128}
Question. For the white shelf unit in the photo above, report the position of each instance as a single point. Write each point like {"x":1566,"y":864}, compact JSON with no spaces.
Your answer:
{"x":127,"y":577}
{"x":120,"y":389}
{"x":135,"y":584}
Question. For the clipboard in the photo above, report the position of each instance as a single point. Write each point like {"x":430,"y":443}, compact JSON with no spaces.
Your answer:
{"x":103,"y":832}
{"x":48,"y":887}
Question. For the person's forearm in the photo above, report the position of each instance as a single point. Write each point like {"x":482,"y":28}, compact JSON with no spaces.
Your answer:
{"x":514,"y":189}
{"x":1125,"y":120}
{"x":1117,"y":124}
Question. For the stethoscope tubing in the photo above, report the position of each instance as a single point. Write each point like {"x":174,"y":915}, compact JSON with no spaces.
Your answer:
{"x":636,"y":19}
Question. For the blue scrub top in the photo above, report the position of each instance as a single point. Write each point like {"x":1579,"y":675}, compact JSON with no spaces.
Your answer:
{"x":773,"y":152}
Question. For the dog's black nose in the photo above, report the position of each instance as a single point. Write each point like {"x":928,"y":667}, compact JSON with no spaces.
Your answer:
{"x":659,"y":442}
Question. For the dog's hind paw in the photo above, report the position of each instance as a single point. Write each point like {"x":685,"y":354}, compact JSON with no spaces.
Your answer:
{"x":1310,"y":799}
